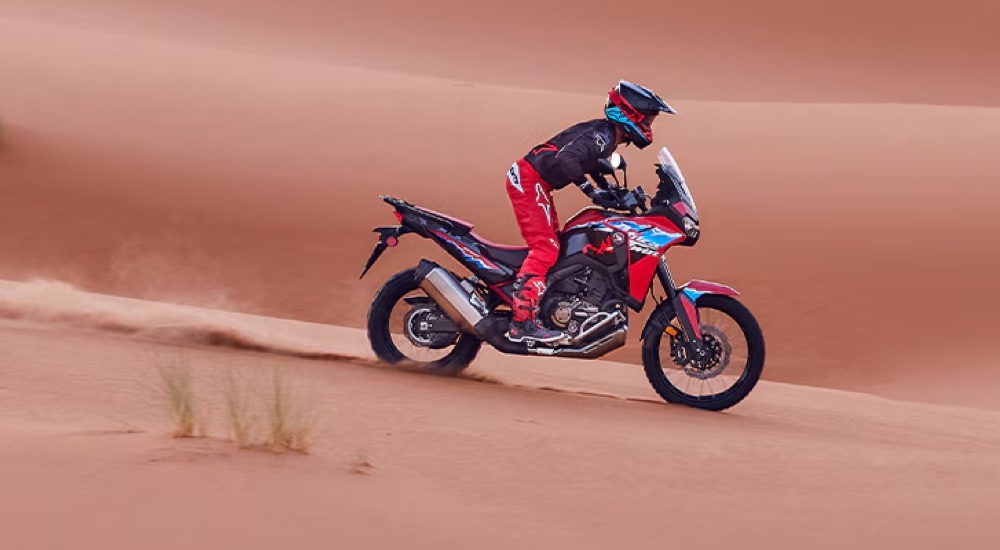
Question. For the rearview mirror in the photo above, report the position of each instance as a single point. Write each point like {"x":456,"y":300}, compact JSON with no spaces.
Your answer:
{"x":606,"y":167}
{"x":612,"y":163}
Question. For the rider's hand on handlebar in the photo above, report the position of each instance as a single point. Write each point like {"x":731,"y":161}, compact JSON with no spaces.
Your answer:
{"x":601,"y":181}
{"x":605,"y":198}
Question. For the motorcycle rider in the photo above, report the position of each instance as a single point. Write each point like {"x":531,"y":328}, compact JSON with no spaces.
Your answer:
{"x":566,"y":158}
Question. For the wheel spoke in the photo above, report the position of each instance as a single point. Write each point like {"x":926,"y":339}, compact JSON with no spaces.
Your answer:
{"x":726,"y":364}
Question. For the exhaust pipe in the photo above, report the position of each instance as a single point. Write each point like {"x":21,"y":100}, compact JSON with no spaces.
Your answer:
{"x":596,"y":323}
{"x":592,"y":351}
{"x":448,"y":294}
{"x":470,"y":314}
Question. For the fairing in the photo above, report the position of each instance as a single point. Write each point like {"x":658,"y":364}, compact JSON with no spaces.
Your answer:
{"x":648,"y":238}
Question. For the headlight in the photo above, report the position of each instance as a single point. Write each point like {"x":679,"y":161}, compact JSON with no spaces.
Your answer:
{"x":691,"y":228}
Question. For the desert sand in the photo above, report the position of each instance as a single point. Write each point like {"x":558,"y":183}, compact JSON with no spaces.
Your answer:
{"x":512,"y":454}
{"x":228,"y":158}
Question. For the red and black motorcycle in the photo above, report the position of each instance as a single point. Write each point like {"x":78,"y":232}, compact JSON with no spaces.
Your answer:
{"x":701,"y":347}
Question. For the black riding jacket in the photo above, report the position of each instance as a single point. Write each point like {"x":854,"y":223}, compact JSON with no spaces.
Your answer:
{"x":573,"y":153}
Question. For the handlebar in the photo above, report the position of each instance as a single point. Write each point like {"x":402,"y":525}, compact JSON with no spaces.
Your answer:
{"x":633,"y":201}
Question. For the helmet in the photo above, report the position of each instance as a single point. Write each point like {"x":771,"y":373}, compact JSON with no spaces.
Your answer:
{"x":634,"y":107}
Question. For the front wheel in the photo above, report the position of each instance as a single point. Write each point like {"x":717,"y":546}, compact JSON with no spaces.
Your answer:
{"x":400,"y":330}
{"x":719,"y":381}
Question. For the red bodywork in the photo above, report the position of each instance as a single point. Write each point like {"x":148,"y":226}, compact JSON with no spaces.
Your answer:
{"x":642,"y":266}
{"x":649,"y":237}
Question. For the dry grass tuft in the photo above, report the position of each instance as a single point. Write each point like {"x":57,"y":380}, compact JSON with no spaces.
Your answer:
{"x":259,"y":407}
{"x":238,"y":413}
{"x":262,"y":411}
{"x":177,"y":390}
{"x":289,"y":429}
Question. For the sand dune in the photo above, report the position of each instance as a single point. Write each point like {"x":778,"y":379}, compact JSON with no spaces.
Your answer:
{"x":224,"y":178}
{"x":921,"y":51}
{"x":457,"y":462}
{"x":213,"y":169}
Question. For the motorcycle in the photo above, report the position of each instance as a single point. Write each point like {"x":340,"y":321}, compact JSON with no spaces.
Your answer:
{"x":699,"y":333}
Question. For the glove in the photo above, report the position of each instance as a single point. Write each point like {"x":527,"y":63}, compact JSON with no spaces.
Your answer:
{"x":605,"y":198}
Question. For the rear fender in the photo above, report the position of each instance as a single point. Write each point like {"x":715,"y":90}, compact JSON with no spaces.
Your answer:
{"x":388,"y":237}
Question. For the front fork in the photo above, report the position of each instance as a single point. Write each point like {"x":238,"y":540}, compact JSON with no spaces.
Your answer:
{"x":685,"y":311}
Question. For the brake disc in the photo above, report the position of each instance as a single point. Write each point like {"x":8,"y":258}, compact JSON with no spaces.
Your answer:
{"x":715,"y":361}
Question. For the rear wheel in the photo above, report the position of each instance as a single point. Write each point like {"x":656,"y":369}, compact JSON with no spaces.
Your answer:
{"x":400,"y":329}
{"x":726,"y":375}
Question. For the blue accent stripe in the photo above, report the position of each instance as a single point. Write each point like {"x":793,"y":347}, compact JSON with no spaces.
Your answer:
{"x":466,"y":252}
{"x":692,"y":294}
{"x":654,"y":235}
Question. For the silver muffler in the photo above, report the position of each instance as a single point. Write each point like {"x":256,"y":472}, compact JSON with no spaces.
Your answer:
{"x":467,"y":310}
{"x":462,"y":307}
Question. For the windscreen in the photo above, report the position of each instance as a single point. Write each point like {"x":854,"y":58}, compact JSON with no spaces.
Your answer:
{"x":670,"y":167}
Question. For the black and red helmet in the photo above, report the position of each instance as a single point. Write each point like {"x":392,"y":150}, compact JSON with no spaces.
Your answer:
{"x":634,"y":107}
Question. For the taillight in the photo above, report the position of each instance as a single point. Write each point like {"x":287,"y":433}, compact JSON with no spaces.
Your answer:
{"x":398,"y":216}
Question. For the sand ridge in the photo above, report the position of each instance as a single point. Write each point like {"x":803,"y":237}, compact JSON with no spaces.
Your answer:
{"x":87,"y":435}
{"x":234,"y":179}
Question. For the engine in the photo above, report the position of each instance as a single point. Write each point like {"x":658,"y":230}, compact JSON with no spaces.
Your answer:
{"x":570,"y":301}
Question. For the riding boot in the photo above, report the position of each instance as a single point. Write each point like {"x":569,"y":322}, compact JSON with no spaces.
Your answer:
{"x":525,"y":327}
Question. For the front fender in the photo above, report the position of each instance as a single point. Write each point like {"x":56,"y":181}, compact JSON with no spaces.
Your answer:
{"x":684,"y":301}
{"x":694,"y":288}
{"x":687,"y":297}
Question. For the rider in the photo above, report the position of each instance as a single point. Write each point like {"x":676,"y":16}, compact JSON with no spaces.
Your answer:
{"x":568,"y":158}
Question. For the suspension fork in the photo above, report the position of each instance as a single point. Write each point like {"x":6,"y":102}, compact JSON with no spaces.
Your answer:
{"x":685,"y":310}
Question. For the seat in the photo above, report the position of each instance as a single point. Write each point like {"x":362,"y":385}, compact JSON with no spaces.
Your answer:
{"x":511,"y":256}
{"x":455,"y":225}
